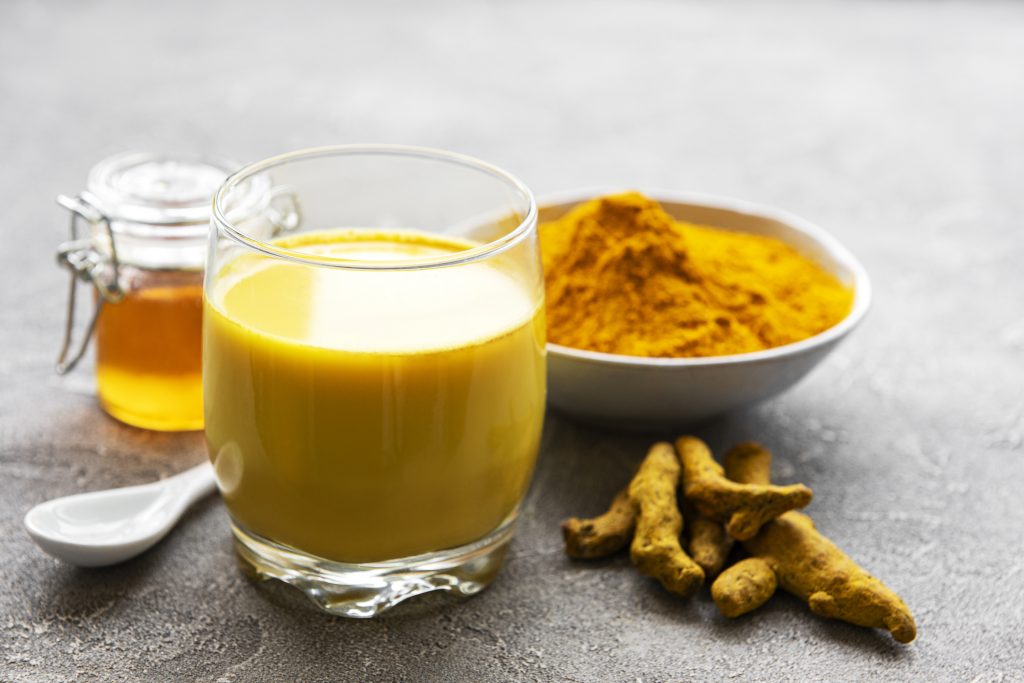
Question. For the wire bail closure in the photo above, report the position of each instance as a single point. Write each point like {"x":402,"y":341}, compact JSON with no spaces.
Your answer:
{"x":88,"y":265}
{"x":283,"y":210}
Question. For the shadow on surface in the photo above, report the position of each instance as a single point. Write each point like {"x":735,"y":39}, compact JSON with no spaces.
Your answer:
{"x":786,"y":610}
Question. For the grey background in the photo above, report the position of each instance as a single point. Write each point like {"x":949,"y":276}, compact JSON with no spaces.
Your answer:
{"x":899,"y":126}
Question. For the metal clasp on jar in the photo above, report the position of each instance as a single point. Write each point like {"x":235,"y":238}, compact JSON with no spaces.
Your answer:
{"x":283,"y":211}
{"x":85,"y":263}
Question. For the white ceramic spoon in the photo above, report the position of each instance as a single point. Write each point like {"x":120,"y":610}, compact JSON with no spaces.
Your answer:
{"x":106,"y":527}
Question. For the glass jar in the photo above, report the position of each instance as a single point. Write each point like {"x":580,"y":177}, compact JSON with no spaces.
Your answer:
{"x":139,"y":236}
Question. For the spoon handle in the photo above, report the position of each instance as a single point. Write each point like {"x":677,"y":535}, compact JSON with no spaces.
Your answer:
{"x":192,"y":484}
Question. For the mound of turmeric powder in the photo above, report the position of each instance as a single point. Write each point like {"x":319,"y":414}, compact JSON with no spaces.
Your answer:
{"x":622,"y":276}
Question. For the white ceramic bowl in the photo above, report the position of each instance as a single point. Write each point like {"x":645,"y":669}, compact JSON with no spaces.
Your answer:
{"x":635,"y":393}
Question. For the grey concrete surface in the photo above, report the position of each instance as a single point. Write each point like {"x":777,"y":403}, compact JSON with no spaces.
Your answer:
{"x":898,"y":125}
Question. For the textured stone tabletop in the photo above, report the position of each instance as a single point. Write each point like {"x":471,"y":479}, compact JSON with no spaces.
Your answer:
{"x":899,"y":126}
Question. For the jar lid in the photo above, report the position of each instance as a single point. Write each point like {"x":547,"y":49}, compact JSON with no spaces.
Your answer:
{"x":141,"y":191}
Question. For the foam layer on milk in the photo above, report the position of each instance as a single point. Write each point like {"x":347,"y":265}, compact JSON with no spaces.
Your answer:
{"x":392,"y":311}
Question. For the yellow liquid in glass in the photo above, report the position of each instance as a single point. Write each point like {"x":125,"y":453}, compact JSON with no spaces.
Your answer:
{"x":366,"y":416}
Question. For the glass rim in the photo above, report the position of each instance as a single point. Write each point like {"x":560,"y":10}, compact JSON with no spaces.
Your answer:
{"x":476,"y":253}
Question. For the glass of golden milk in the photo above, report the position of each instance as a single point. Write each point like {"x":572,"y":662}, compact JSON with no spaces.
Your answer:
{"x":373,"y":370}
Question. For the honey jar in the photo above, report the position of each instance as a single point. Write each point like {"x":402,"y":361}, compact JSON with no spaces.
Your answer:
{"x":138,"y":237}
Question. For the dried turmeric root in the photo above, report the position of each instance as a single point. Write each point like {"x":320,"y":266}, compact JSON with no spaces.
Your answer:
{"x":789,"y":551}
{"x":744,"y":587}
{"x":708,"y":543}
{"x":744,"y":508}
{"x":588,"y":539}
{"x":655,"y":550}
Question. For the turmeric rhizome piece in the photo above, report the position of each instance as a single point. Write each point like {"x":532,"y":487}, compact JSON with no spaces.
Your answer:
{"x":744,"y":508}
{"x":707,"y":541}
{"x":790,"y":552}
{"x":589,"y":539}
{"x":656,"y":550}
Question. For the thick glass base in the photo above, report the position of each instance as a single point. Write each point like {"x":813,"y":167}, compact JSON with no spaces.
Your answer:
{"x":365,"y":590}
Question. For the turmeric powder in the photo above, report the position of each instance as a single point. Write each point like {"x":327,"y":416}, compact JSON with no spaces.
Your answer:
{"x":622,"y":276}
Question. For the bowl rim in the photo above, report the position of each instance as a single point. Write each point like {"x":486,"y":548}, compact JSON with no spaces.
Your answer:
{"x":861,"y":282}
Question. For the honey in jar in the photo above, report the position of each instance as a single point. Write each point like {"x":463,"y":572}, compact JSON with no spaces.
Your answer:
{"x":149,"y":353}
{"x":146,"y":219}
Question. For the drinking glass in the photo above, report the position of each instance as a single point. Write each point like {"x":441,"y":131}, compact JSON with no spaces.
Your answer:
{"x":373,"y":369}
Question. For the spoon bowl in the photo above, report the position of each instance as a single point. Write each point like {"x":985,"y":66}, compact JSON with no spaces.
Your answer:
{"x":101,"y":528}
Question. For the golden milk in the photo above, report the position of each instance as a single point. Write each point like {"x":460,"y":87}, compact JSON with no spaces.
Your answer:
{"x":364,"y":416}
